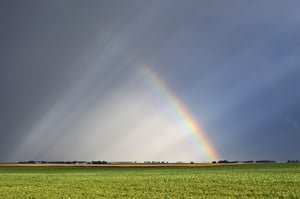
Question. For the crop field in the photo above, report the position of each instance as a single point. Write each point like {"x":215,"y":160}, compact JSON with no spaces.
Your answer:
{"x":221,"y":181}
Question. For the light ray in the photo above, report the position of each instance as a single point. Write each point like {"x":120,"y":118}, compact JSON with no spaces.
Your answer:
{"x":182,"y":112}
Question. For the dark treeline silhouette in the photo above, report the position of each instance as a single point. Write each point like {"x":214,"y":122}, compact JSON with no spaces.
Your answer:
{"x":246,"y":162}
{"x":290,"y":161}
{"x":265,"y":161}
{"x":99,"y":162}
{"x":147,"y":162}
{"x":156,"y":162}
{"x":63,"y":162}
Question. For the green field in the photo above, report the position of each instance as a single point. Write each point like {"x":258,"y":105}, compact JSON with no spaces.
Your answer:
{"x":229,"y":181}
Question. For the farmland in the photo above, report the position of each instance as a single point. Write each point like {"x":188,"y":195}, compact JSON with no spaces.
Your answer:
{"x":221,"y":181}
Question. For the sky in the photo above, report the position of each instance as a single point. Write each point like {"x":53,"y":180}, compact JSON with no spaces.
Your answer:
{"x":148,"y":80}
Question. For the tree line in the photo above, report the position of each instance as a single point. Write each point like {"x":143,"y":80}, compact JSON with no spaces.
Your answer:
{"x":63,"y":162}
{"x":145,"y":162}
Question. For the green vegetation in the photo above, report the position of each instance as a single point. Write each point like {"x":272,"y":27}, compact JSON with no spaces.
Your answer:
{"x":227,"y":181}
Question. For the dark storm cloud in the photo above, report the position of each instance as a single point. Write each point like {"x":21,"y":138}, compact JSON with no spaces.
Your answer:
{"x":44,"y":48}
{"x":235,"y":64}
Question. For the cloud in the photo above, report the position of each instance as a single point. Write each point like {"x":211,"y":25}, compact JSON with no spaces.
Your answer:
{"x":131,"y":122}
{"x":70,"y":78}
{"x":293,"y":123}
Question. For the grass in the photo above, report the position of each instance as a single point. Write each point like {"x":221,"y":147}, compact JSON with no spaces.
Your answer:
{"x":226,"y":181}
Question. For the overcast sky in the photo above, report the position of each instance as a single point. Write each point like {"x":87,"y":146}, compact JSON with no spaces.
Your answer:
{"x":72,"y":87}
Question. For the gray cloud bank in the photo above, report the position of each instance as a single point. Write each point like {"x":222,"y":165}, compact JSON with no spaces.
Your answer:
{"x":71,"y":86}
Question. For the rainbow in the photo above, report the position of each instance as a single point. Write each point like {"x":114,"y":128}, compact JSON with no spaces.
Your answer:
{"x":182,"y":112}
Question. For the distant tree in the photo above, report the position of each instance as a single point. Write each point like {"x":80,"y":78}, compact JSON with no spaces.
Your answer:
{"x":249,"y":161}
{"x":223,"y":161}
{"x":265,"y":161}
{"x":99,"y":162}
